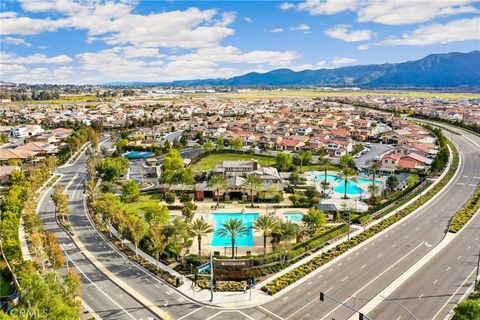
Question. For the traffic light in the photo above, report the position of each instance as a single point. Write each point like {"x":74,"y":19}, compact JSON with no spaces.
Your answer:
{"x":360,"y":316}
{"x":322,"y":297}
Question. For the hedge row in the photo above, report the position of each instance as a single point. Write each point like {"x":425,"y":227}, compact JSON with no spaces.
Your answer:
{"x":466,"y":213}
{"x":308,"y":267}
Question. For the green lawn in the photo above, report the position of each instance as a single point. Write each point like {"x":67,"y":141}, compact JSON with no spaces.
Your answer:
{"x":145,"y":201}
{"x":209,"y":162}
{"x":315,"y":167}
{"x":278,"y":94}
{"x":74,"y":98}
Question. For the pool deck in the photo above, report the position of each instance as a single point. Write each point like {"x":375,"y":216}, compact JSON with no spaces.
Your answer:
{"x":311,"y":175}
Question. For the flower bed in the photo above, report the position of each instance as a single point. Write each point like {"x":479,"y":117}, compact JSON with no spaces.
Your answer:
{"x":308,"y":267}
{"x":466,"y":213}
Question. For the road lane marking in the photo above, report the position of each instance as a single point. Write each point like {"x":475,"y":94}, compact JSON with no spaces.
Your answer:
{"x":454,"y":294}
{"x":374,"y":279}
{"x":449,"y":267}
{"x":420,"y":296}
{"x":303,"y":307}
{"x":363,"y":266}
{"x":183,"y":317}
{"x":268,"y":311}
{"x":285,"y":298}
{"x":100,"y":289}
{"x":436,"y":280}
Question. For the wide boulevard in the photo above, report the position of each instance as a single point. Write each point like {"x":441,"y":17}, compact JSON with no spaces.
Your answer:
{"x":354,"y":278}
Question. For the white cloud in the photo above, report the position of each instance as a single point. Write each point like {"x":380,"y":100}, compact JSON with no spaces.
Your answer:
{"x":321,"y":63}
{"x":34,"y":59}
{"x":316,"y":7}
{"x":116,"y":24}
{"x":276,"y":30}
{"x":343,"y":61}
{"x":287,"y":6}
{"x":457,"y":30}
{"x":390,"y":12}
{"x":12,"y":68}
{"x":16,"y":41}
{"x":248,"y":19}
{"x":342,"y":32}
{"x":363,"y":47}
{"x":232,"y":54}
{"x":305,"y":28}
{"x":408,"y":12}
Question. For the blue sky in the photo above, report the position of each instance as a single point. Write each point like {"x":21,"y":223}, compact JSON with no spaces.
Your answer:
{"x":70,"y":41}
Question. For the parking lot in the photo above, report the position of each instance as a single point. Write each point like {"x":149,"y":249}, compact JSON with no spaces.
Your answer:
{"x":376,"y":150}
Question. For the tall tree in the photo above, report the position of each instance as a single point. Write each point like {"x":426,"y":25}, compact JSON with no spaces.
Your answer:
{"x":283,"y":161}
{"x":305,"y":157}
{"x":218,"y":183}
{"x":252,"y":183}
{"x":208,"y":146}
{"x":236,"y":143}
{"x":266,"y":225}
{"x":373,"y":169}
{"x":138,"y":229}
{"x":157,"y":242}
{"x":392,"y":182}
{"x":199,"y":229}
{"x":232,"y":228}
{"x":346,"y":175}
{"x":325,"y":163}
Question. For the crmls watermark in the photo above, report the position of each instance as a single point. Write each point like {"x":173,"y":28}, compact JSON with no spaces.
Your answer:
{"x":29,"y":314}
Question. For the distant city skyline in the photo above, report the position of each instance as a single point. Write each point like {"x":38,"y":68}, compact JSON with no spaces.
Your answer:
{"x":83,"y":42}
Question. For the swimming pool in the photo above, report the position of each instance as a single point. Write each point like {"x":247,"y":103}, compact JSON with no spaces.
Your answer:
{"x":245,"y":240}
{"x":138,"y":154}
{"x":292,"y":216}
{"x":352,"y":187}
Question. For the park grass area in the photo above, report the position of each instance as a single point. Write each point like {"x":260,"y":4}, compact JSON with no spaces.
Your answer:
{"x":210,"y":161}
{"x":316,"y":167}
{"x":278,"y":94}
{"x":73,"y":98}
{"x":142,"y":203}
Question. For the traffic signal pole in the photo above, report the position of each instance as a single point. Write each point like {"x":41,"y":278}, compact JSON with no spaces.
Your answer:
{"x":361,"y":316}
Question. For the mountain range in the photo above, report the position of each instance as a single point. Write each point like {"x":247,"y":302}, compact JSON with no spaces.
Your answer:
{"x":448,"y":70}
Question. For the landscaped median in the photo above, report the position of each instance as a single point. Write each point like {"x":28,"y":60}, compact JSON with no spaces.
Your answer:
{"x":466,"y":213}
{"x":296,"y":274}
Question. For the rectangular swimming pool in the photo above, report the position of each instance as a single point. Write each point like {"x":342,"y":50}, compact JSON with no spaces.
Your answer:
{"x":245,"y":240}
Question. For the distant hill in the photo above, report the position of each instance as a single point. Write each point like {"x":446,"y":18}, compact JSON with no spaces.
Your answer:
{"x":449,"y":70}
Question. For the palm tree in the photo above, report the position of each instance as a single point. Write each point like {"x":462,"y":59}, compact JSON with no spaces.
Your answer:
{"x":218,"y":183}
{"x":325,"y":163}
{"x":252,"y":183}
{"x":346,"y":175}
{"x":373,"y":169}
{"x":266,"y":225}
{"x":200,"y":228}
{"x":232,"y":228}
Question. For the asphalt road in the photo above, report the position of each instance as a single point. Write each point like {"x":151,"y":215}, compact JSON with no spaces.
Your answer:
{"x":362,"y":273}
{"x":99,"y":293}
{"x":437,"y":287}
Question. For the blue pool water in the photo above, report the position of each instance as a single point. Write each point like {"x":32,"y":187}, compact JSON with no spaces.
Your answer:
{"x":352,"y":187}
{"x":293,"y":216}
{"x":245,"y":240}
{"x":138,"y":154}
